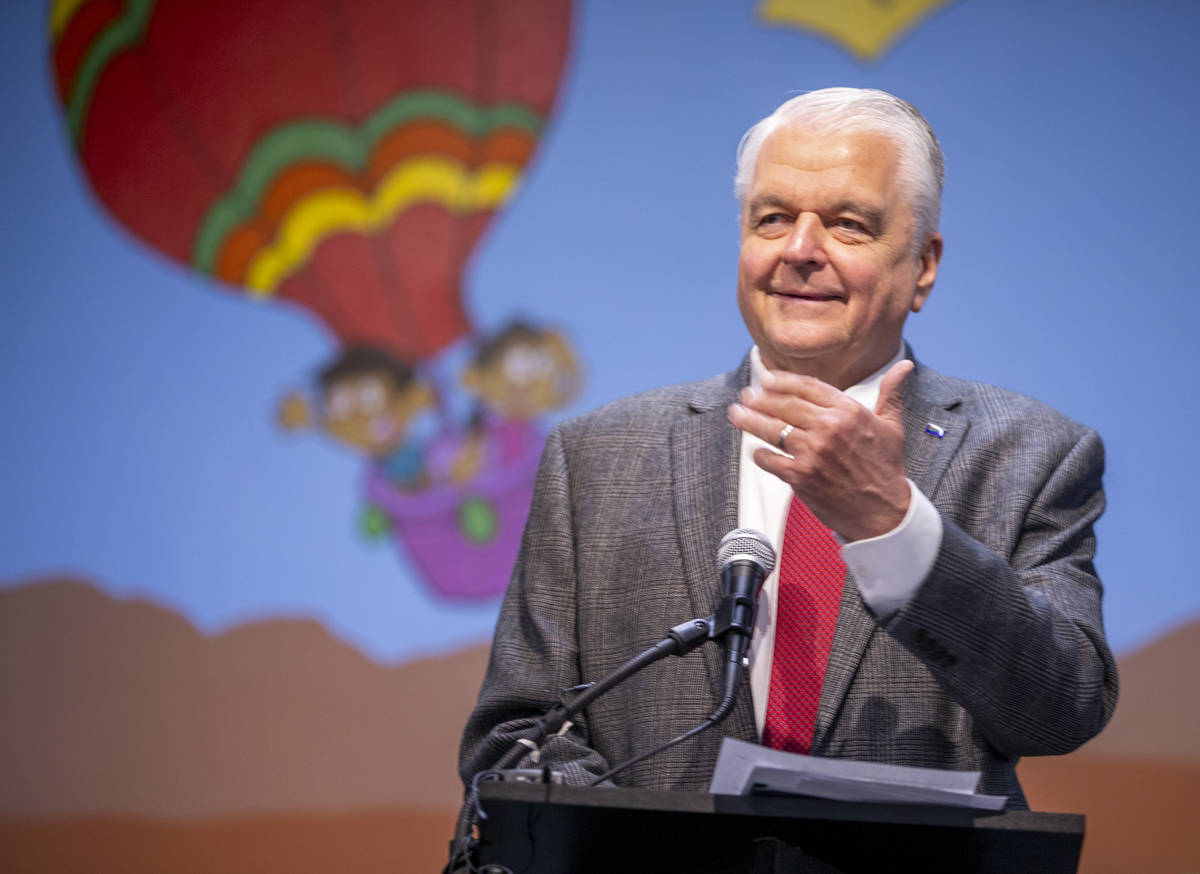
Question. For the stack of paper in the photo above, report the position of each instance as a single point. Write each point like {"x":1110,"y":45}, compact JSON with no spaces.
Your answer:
{"x":743,"y":768}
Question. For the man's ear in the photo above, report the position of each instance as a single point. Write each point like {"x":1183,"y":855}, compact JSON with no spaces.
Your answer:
{"x":929,"y":258}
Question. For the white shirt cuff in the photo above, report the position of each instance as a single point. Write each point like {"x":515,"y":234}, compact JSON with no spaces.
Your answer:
{"x":891,"y":567}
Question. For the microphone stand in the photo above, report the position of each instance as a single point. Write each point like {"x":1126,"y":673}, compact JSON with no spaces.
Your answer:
{"x":734,"y":615}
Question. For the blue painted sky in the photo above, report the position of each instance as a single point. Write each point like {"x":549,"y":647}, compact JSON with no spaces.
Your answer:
{"x":138,"y":447}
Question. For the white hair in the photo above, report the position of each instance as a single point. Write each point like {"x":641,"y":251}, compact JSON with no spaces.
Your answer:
{"x":861,"y":110}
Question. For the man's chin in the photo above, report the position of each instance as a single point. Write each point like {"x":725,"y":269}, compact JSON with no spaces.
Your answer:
{"x":800,"y":355}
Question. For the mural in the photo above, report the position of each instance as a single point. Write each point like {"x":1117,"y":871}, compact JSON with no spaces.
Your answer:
{"x":346,"y":158}
{"x":292,"y":291}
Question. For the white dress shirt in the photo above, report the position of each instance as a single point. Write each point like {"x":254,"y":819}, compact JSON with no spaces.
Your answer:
{"x":888,"y":568}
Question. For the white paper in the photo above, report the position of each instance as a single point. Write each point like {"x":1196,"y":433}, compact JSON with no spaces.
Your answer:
{"x":745,"y":767}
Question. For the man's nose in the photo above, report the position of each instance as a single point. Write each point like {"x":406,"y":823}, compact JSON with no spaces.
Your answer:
{"x":807,"y":241}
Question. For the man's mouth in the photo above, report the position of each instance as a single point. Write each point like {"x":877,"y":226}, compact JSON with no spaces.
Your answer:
{"x":816,"y":296}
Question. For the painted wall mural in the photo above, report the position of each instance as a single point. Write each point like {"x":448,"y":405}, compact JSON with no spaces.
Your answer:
{"x":293,"y":289}
{"x":346,"y":158}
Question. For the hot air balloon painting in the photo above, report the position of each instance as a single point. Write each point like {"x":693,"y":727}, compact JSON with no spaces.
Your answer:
{"x":345,"y":157}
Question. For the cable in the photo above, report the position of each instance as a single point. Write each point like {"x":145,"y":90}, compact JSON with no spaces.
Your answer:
{"x":708,"y":723}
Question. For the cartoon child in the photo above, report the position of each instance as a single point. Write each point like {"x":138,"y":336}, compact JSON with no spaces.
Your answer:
{"x":523,"y":372}
{"x":369,"y":400}
{"x":516,"y":377}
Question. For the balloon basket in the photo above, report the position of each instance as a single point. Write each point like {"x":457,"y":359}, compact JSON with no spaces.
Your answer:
{"x":463,"y":538}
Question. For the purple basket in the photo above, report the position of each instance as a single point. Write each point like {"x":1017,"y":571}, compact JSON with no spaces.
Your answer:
{"x":464,"y":537}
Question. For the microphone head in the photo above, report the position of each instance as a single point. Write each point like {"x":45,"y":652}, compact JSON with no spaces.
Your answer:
{"x":746,"y":543}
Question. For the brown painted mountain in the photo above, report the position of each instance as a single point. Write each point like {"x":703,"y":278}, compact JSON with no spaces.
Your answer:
{"x":1139,"y":781}
{"x":131,"y":742}
{"x":123,"y":707}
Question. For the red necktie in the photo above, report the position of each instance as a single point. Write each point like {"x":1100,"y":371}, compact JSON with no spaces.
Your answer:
{"x":811,"y":575}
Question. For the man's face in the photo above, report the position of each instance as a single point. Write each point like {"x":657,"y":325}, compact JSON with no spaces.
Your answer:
{"x":828,"y":270}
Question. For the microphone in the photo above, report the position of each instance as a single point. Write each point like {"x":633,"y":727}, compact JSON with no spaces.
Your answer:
{"x":745,"y":558}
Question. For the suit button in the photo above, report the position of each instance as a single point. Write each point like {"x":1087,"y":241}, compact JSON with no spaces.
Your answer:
{"x":919,"y":637}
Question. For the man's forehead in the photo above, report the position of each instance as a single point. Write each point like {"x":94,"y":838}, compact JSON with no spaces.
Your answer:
{"x":849,"y":168}
{"x":804,"y":149}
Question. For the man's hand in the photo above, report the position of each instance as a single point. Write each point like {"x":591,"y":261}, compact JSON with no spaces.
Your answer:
{"x":846,"y":462}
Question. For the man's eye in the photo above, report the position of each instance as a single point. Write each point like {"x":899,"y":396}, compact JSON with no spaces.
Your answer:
{"x":772,"y":218}
{"x":849,"y":224}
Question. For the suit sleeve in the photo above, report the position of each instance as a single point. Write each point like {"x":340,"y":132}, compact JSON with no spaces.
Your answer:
{"x":535,"y":651}
{"x":1012,"y":630}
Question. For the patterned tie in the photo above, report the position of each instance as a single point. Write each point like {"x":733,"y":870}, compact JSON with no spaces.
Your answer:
{"x":811,"y":575}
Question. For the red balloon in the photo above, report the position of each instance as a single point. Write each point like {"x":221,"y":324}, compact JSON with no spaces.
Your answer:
{"x":345,"y":156}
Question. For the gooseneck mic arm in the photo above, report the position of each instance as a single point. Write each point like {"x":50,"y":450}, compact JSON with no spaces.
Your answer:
{"x":745,"y":559}
{"x":680,"y":640}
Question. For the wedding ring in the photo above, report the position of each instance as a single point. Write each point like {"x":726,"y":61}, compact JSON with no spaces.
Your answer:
{"x":783,"y":435}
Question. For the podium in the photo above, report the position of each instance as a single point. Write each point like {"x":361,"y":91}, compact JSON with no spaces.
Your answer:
{"x":536,"y":828}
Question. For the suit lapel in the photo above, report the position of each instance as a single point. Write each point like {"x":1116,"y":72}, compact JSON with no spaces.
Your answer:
{"x":704,"y":470}
{"x":934,"y":427}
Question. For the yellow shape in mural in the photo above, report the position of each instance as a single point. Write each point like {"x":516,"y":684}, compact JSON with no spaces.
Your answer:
{"x":865,"y":27}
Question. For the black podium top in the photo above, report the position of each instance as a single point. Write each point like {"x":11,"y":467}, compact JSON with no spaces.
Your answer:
{"x":552,"y":828}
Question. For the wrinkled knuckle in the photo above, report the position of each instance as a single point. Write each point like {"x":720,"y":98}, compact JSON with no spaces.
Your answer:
{"x":857,"y":414}
{"x":789,"y":408}
{"x":825,"y":455}
{"x":832,"y":420}
{"x":804,"y":466}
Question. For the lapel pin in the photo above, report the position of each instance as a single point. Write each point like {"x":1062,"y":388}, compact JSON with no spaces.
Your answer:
{"x":935,"y":430}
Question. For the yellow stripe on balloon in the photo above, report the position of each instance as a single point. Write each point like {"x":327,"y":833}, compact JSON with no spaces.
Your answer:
{"x":62,"y":11}
{"x":330,"y":211}
{"x":308,"y":222}
{"x":494,"y":182}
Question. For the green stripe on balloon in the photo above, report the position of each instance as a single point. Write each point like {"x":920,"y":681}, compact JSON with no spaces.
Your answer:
{"x":126,"y":31}
{"x":344,"y":145}
{"x":472,"y":119}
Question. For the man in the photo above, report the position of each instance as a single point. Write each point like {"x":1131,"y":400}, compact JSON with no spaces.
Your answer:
{"x":941,"y":607}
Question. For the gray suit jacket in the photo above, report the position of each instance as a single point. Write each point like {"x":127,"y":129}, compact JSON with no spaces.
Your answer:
{"x":999,"y":654}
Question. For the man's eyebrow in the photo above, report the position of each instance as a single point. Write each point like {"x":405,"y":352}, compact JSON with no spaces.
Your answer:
{"x":765,"y":200}
{"x":873,"y":216}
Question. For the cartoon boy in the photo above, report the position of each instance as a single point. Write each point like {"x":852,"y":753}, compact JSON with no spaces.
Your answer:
{"x":516,"y":376}
{"x":523,"y":372}
{"x":369,"y":400}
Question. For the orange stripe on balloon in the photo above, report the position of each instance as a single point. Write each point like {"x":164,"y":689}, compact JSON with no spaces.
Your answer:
{"x":240,"y":247}
{"x":331,"y":211}
{"x":503,"y":146}
{"x":293,"y":184}
{"x":508,"y":145}
{"x":86,"y":24}
{"x":415,"y":138}
{"x":424,"y":141}
{"x":299,"y":180}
